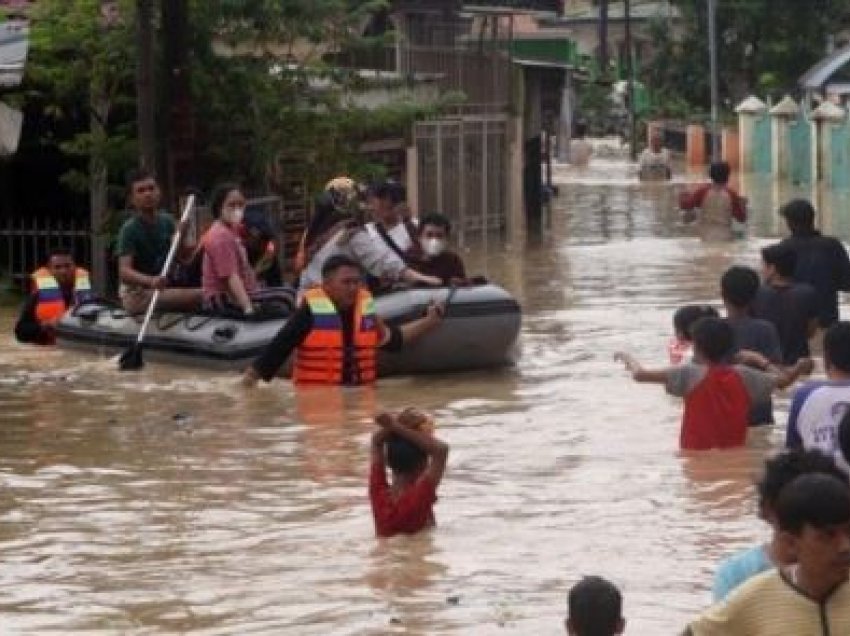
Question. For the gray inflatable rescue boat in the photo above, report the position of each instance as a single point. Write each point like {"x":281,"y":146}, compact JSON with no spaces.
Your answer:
{"x":479,"y":330}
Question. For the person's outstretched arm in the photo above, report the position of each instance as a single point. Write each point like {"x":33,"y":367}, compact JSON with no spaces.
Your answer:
{"x":639,"y":374}
{"x":292,"y":334}
{"x":415,"y":329}
{"x":436,"y":449}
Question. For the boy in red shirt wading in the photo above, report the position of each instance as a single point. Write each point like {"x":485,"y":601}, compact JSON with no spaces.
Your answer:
{"x":417,"y":461}
{"x":718,"y":393}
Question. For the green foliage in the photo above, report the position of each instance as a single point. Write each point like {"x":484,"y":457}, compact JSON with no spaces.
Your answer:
{"x":79,"y":70}
{"x":764,"y":46}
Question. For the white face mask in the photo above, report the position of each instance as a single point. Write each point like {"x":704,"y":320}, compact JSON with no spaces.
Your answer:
{"x":235,"y":215}
{"x":433,"y":246}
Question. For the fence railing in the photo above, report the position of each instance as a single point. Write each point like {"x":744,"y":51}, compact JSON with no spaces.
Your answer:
{"x":25,"y":243}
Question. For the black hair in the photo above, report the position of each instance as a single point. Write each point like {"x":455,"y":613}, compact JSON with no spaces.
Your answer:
{"x":59,"y":250}
{"x":783,"y":468}
{"x":713,"y":338}
{"x":136,"y":175}
{"x":782,"y":257}
{"x":814,"y":499}
{"x":393,"y":191}
{"x":799,"y":215}
{"x":580,"y":129}
{"x":844,"y":436}
{"x":739,"y":285}
{"x":403,"y":456}
{"x":718,"y":172}
{"x":219,"y":194}
{"x":595,"y":607}
{"x":836,"y":346}
{"x":437,"y":220}
{"x":685,"y":317}
{"x":336,"y":262}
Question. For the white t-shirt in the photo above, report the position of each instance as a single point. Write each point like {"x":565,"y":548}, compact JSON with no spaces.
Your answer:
{"x":399,"y":234}
{"x":816,"y":412}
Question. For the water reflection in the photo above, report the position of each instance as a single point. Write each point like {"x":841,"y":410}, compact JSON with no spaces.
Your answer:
{"x":171,"y":501}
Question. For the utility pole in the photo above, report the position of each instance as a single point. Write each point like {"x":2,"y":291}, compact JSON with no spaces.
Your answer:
{"x":712,"y":52}
{"x":145,"y":88}
{"x":630,"y":82}
{"x":180,"y":136}
{"x":603,"y":38}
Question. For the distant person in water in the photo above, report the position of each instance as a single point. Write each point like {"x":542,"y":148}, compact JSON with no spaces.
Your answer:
{"x":822,"y":261}
{"x":717,"y":203}
{"x":779,"y":471}
{"x":680,"y":345}
{"x":654,"y":162}
{"x":417,"y":460}
{"x":594,"y":608}
{"x":718,"y":394}
{"x":580,"y":148}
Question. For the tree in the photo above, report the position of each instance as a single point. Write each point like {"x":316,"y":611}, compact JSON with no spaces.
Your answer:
{"x":764,"y":47}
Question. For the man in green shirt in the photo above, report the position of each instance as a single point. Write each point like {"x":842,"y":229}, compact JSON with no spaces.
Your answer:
{"x":143,"y":243}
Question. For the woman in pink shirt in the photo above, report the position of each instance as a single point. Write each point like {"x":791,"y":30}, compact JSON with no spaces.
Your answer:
{"x":227,"y":278}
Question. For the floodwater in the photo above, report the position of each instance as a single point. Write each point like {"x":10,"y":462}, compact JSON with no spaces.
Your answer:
{"x":170,"y":501}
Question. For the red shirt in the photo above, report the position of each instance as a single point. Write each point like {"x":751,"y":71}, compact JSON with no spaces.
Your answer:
{"x":695,"y":200}
{"x":410,"y":513}
{"x":716,"y":411}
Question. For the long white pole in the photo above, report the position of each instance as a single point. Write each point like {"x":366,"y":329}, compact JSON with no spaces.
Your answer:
{"x":712,"y":51}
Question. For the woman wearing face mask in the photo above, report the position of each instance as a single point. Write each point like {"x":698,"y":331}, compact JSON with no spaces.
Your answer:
{"x":437,"y":259}
{"x":228,"y":279}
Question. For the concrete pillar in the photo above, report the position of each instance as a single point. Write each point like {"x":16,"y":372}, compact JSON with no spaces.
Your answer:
{"x":782,"y":114}
{"x":516,"y":220}
{"x":411,"y":180}
{"x":565,"y":120}
{"x":748,"y":112}
{"x":730,"y":148}
{"x":824,"y":117}
{"x":696,"y":152}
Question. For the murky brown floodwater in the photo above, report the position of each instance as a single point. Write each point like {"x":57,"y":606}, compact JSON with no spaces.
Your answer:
{"x":172,"y":502}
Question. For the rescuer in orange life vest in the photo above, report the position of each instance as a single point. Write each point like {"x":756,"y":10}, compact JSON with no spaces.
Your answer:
{"x":336,"y":332}
{"x":55,"y":288}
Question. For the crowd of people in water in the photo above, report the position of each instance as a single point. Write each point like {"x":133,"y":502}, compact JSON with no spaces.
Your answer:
{"x":724,"y":365}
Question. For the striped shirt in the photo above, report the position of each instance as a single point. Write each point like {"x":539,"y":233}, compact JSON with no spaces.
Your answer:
{"x":770,"y":605}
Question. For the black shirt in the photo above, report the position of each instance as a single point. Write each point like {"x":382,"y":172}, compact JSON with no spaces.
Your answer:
{"x":296,"y":330}
{"x":822,"y":262}
{"x":790,"y":308}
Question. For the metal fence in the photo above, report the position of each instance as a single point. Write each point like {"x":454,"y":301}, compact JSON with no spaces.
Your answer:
{"x":25,"y":243}
{"x":462,"y":166}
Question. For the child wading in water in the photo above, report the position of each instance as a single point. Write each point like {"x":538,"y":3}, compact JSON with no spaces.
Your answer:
{"x":718,"y":395}
{"x":417,"y":461}
{"x":680,"y":345}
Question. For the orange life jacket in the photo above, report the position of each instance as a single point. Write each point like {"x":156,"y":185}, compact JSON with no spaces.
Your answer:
{"x":322,"y":356}
{"x":51,"y":302}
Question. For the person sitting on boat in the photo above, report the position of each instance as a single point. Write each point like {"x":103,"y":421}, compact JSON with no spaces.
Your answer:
{"x":142,"y":247}
{"x":56,"y":287}
{"x":336,"y":332}
{"x":334,"y":230}
{"x":437,"y":258}
{"x":719,"y":205}
{"x":228,"y":279}
{"x":262,"y":247}
{"x":387,"y":201}
{"x":654,"y":161}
